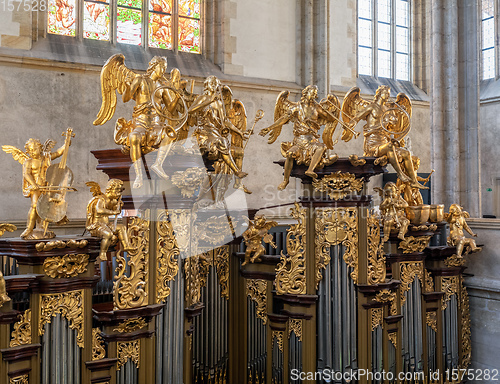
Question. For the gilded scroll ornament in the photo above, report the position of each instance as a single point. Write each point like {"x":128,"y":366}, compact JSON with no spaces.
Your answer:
{"x":429,"y":281}
{"x":129,"y":350}
{"x":393,"y":337}
{"x":465,"y":342}
{"x":456,"y":218}
{"x":221,"y":261}
{"x":59,"y":244}
{"x":295,"y":326}
{"x":69,"y":265}
{"x":278,"y":335}
{"x":338,"y":184}
{"x":377,"y":317}
{"x":431,"y":320}
{"x":19,"y":380}
{"x":214,"y":230}
{"x":454,"y":261}
{"x":450,"y":286}
{"x":376,"y":258}
{"x":131,"y":291}
{"x":257,"y":291}
{"x":205,"y":261}
{"x":386,"y":296}
{"x":21,"y":335}
{"x":167,"y":256}
{"x":409,"y":270}
{"x":333,"y":227}
{"x":189,"y":181}
{"x":98,"y":350}
{"x":192,"y":280}
{"x":291,"y":270}
{"x":356,"y":161}
{"x":131,"y":325}
{"x":413,"y":244}
{"x":68,"y":304}
{"x":417,"y":228}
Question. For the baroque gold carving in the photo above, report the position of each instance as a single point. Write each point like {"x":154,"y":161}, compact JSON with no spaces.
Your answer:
{"x":131,"y":291}
{"x":356,"y":161}
{"x":129,"y":350}
{"x":465,"y":342}
{"x":431,"y":320}
{"x":409,"y":270}
{"x":68,"y":304}
{"x":167,"y":256}
{"x":188,"y":181}
{"x":291,"y":270}
{"x":98,"y":351}
{"x":431,"y":227}
{"x":193,"y":282}
{"x":131,"y":325}
{"x":393,"y":337}
{"x":215,"y":229}
{"x":333,"y":227}
{"x":376,"y":258}
{"x":295,"y":326}
{"x":377,"y":317}
{"x":50,"y":245}
{"x":69,"y":265}
{"x":338,"y":184}
{"x":19,"y":380}
{"x":429,"y":281}
{"x":386,"y":296}
{"x":21,"y":335}
{"x":449,"y":285}
{"x":454,"y":261}
{"x":278,"y":335}
{"x":257,"y":291}
{"x":221,"y":261}
{"x":413,"y":244}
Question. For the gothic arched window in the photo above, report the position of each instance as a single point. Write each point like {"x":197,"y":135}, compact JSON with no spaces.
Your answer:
{"x":156,"y":23}
{"x":384,"y":38}
{"x":488,"y":55}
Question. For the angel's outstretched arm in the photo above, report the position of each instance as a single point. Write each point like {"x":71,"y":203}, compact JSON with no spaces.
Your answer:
{"x":201,"y":102}
{"x":277,"y":124}
{"x":132,"y":89}
{"x":27,"y":173}
{"x":58,"y":153}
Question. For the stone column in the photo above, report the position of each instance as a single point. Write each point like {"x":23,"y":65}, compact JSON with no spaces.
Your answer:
{"x":455,"y":103}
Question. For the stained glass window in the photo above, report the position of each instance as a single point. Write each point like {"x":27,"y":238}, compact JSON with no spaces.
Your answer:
{"x":160,"y":24}
{"x":129,"y":22}
{"x":488,"y":38}
{"x":62,"y":17}
{"x":189,"y":26}
{"x":96,"y":20}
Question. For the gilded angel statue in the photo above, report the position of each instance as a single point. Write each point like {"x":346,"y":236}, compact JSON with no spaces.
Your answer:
{"x":307,"y":117}
{"x":387,"y":123}
{"x":458,"y":224}
{"x":257,"y":232}
{"x":154,"y":112}
{"x":392,"y":209}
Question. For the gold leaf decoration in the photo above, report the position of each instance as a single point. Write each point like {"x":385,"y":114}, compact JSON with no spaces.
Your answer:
{"x":98,"y":351}
{"x":413,"y":244}
{"x":333,"y":227}
{"x":68,"y":304}
{"x":356,"y":161}
{"x":409,"y":270}
{"x":386,"y":296}
{"x":454,"y":261}
{"x":221,"y":261}
{"x":377,"y":317}
{"x":465,"y":341}
{"x":376,"y":259}
{"x":131,"y":291}
{"x":167,"y":256}
{"x":257,"y":291}
{"x":295,"y":326}
{"x":19,"y":380}
{"x":192,"y":280}
{"x":129,"y":350}
{"x":131,"y":325}
{"x":278,"y":335}
{"x":291,"y":270}
{"x":449,"y":285}
{"x":338,"y":185}
{"x":189,"y":181}
{"x":69,"y":265}
{"x":50,"y":245}
{"x":393,"y":337}
{"x":429,"y":281}
{"x":215,"y":230}
{"x":21,"y":335}
{"x":431,"y":320}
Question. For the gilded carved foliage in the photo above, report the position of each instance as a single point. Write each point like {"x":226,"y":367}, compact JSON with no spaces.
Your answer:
{"x":167,"y":256}
{"x":21,"y":335}
{"x":69,"y":265}
{"x":131,"y":291}
{"x":409,"y":270}
{"x":192,"y":280}
{"x":291,"y":270}
{"x":429,"y":281}
{"x":454,"y":261}
{"x":278,"y":335}
{"x":215,"y":230}
{"x":188,"y":181}
{"x":181,"y":220}
{"x":449,"y":285}
{"x":393,"y":337}
{"x":68,"y":304}
{"x":221,"y":261}
{"x":98,"y":351}
{"x":431,"y":320}
{"x":257,"y":291}
{"x":129,"y":350}
{"x":375,"y":247}
{"x":295,"y":326}
{"x":338,"y":184}
{"x":465,"y":342}
{"x":50,"y":245}
{"x":377,"y":317}
{"x":131,"y":325}
{"x":386,"y":296}
{"x":19,"y":380}
{"x":333,"y":227}
{"x":413,"y":244}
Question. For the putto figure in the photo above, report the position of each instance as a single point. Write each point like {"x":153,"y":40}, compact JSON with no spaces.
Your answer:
{"x":456,"y":218}
{"x":307,"y":117}
{"x":387,"y":123}
{"x":254,"y":235}
{"x":392,"y":209}
{"x":155,"y":108}
{"x":35,"y":160}
{"x":99,"y":209}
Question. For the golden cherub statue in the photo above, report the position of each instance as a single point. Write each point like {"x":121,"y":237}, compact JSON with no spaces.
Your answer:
{"x":254,"y":235}
{"x":99,"y":209}
{"x":3,"y":292}
{"x":36,"y":160}
{"x":456,"y":218}
{"x":410,"y":193}
{"x":155,"y":107}
{"x":392,"y":209}
{"x":387,"y":123}
{"x":307,"y":117}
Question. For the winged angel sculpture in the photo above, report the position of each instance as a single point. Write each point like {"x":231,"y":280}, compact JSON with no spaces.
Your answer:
{"x":387,"y":124}
{"x":156,"y":108}
{"x":307,"y":117}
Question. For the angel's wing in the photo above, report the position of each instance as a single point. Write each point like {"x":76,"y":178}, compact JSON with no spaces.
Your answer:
{"x":115,"y":76}
{"x":270,"y":224}
{"x":332,"y":105}
{"x":282,"y":109}
{"x":227,"y":97}
{"x":95,"y":188}
{"x":352,"y":104}
{"x":402,"y":103}
{"x":238,"y":117}
{"x":48,"y":145}
{"x":16,"y":153}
